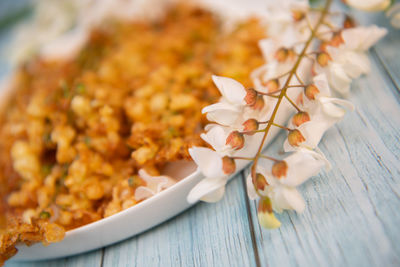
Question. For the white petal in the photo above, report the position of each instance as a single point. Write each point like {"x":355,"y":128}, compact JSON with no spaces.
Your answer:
{"x":362,"y":38}
{"x":208,"y":161}
{"x":302,"y":165}
{"x":207,"y":188}
{"x":338,"y":78}
{"x":293,"y":199}
{"x":394,"y":14}
{"x":322,"y":84}
{"x":222,"y":113}
{"x":66,"y":46}
{"x":220,"y":106}
{"x":143,"y":192}
{"x":369,"y":5}
{"x":251,"y":192}
{"x":287,"y":147}
{"x":214,"y":196}
{"x":156,"y":183}
{"x":216,"y":137}
{"x":232,"y":90}
{"x":356,"y":63}
{"x":313,"y":132}
{"x":334,"y":106}
{"x":267,"y":47}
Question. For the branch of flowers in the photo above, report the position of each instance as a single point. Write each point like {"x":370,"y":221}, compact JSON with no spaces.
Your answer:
{"x":292,"y":73}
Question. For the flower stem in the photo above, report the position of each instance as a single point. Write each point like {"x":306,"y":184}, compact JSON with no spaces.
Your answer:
{"x":285,"y":87}
{"x":293,"y":104}
{"x":281,"y":126}
{"x":243,"y":158}
{"x":268,"y":157}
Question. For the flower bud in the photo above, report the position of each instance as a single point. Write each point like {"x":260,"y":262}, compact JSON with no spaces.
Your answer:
{"x":235,"y":140}
{"x":348,"y":22}
{"x":323,"y":46}
{"x":251,"y":96}
{"x":298,"y":15}
{"x":228,"y":165}
{"x":291,"y":54}
{"x":260,"y":182}
{"x":311,"y":91}
{"x":323,"y":58}
{"x":336,"y":39}
{"x":279,"y":168}
{"x":250,"y":125}
{"x":300,"y":100}
{"x":265,"y":215}
{"x":259,"y":103}
{"x":272,"y":85}
{"x":281,"y":54}
{"x":295,"y":137}
{"x":300,"y":118}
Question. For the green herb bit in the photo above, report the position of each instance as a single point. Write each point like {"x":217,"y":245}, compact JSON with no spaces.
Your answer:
{"x":81,"y":89}
{"x":131,"y":181}
{"x":46,"y":169}
{"x":44,"y":215}
{"x":65,"y":89}
{"x":87,"y":140}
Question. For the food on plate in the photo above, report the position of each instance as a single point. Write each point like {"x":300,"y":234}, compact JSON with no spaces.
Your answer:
{"x":84,"y":138}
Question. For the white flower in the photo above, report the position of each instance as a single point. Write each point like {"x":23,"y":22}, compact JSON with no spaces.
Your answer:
{"x":211,"y":188}
{"x":231,"y":104}
{"x":394,"y":14}
{"x":282,"y":191}
{"x":349,"y":61}
{"x":154,"y":185}
{"x":231,"y":110}
{"x":325,"y":115}
{"x":280,"y":16}
{"x":216,"y":136}
{"x":324,"y":112}
{"x":369,"y":5}
{"x":362,"y":38}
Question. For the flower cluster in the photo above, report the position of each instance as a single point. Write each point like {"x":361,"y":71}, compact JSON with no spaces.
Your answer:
{"x":308,"y":52}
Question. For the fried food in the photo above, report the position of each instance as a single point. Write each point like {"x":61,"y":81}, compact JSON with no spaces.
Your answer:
{"x":75,"y":133}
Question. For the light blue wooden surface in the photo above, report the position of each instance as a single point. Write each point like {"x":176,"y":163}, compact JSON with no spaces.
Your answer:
{"x":352,"y":216}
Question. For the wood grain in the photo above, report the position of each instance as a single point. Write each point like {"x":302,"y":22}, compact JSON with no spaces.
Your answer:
{"x":206,"y":235}
{"x":91,"y":259}
{"x":352,"y":216}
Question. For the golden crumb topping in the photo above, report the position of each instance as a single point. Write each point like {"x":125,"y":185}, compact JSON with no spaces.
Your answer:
{"x":75,"y":134}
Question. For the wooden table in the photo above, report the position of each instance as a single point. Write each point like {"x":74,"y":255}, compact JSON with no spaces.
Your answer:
{"x":352,"y":216}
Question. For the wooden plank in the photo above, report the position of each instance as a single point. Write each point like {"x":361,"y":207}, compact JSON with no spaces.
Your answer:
{"x":206,"y":235}
{"x":92,"y":259}
{"x":352,"y":216}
